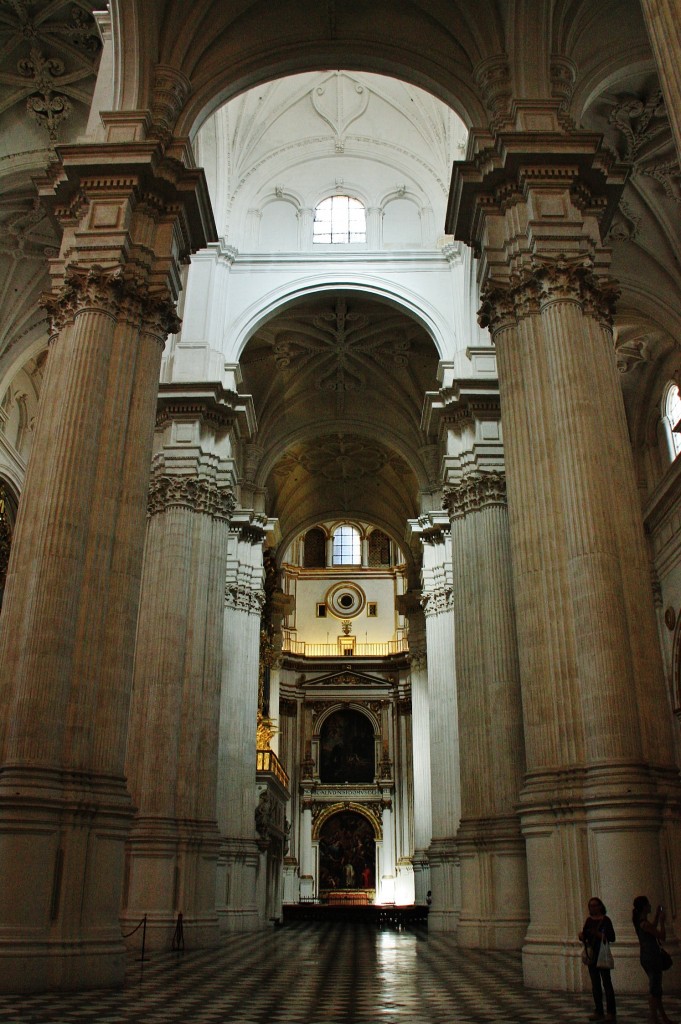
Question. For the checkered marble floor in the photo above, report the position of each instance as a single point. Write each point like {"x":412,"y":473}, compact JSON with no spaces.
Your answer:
{"x":340,"y":973}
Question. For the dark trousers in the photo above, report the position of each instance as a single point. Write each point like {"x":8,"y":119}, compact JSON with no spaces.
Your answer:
{"x":598,"y":978}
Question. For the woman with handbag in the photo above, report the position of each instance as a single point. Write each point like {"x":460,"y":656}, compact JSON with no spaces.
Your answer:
{"x":596,"y":933}
{"x":654,"y":959}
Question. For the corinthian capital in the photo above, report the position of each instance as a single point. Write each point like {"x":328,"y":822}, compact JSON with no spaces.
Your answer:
{"x":116,"y":291}
{"x":84,"y":288}
{"x":192,"y":493}
{"x":474,"y":493}
{"x":571,"y":278}
{"x":497,"y":309}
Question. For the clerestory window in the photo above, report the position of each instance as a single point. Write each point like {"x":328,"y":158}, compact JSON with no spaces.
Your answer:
{"x":346,"y":546}
{"x":339,"y":220}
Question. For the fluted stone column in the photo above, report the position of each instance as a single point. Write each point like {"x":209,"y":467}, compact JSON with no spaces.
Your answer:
{"x":173,"y":740}
{"x":443,"y":721}
{"x":244,"y":597}
{"x":600,"y":803}
{"x":494,"y":907}
{"x":663,"y":21}
{"x":70,"y":606}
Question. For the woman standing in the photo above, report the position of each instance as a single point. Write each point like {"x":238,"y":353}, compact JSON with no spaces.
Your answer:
{"x":597,"y":927}
{"x":650,"y":934}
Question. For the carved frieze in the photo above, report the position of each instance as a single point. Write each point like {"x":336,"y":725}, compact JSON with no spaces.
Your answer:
{"x":201,"y":496}
{"x":59,"y":64}
{"x":644,"y":136}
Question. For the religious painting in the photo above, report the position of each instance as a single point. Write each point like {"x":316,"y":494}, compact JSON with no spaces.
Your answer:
{"x":347,"y":751}
{"x":347,"y":852}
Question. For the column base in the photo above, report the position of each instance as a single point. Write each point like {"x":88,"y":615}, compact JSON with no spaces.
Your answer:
{"x":597,"y":831}
{"x":421,"y":867}
{"x":445,"y":877}
{"x":62,"y":841}
{"x":61,"y":966}
{"x":171,"y":869}
{"x":494,"y":900}
{"x":237,"y":886}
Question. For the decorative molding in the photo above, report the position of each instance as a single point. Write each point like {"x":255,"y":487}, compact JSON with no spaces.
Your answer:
{"x":560,"y":278}
{"x":193,"y":493}
{"x":630,"y":353}
{"x":59,"y":66}
{"x":341,"y":457}
{"x":563,"y":73}
{"x":120,"y":295}
{"x":626,"y":225}
{"x":640,"y":123}
{"x":19,"y":238}
{"x":477,"y":491}
{"x":493,"y":77}
{"x":171,"y":90}
{"x":243,"y":598}
{"x":437,"y":602}
{"x":645,"y":130}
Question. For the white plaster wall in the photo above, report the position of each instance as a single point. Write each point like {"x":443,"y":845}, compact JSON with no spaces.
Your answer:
{"x":313,"y":590}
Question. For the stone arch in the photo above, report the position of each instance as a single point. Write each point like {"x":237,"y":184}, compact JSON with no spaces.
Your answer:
{"x":347,"y":805}
{"x":404,"y":299}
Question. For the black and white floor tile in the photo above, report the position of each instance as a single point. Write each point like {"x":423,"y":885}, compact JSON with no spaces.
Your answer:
{"x":337,"y":973}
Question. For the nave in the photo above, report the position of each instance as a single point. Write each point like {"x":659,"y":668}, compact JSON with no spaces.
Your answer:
{"x":338,"y":973}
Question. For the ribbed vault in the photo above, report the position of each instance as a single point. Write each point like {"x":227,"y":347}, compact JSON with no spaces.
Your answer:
{"x":338,"y":383}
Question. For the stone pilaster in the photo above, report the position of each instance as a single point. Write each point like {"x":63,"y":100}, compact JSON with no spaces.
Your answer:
{"x":443,"y":720}
{"x":173,"y":739}
{"x":420,"y":755}
{"x":244,"y":597}
{"x":69,"y":610}
{"x":601,"y":792}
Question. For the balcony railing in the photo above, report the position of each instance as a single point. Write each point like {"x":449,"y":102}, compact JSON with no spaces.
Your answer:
{"x":267,"y":761}
{"x":341,"y":650}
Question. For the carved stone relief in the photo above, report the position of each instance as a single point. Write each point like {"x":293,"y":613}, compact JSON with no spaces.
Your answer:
{"x":49,"y":58}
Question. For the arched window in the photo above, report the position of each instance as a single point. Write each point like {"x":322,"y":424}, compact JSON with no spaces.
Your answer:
{"x":347,"y":549}
{"x":339,"y":220}
{"x":671,"y":412}
{"x":314,"y":555}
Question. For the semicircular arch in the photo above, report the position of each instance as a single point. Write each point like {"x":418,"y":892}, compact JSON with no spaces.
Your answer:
{"x":403,"y":299}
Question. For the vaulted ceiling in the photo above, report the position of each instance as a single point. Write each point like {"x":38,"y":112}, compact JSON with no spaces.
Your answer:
{"x":338,"y":383}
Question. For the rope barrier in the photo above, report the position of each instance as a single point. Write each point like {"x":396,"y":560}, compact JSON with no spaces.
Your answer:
{"x":143,"y":926}
{"x":178,"y":937}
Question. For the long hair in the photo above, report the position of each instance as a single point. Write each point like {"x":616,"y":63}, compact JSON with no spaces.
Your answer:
{"x":601,"y":904}
{"x":640,"y":904}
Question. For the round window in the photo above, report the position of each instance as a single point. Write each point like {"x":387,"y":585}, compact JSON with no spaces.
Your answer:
{"x":345,"y":600}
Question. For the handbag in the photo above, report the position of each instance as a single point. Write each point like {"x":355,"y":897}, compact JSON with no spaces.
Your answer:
{"x":605,"y":961}
{"x":665,"y":959}
{"x":588,"y":955}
